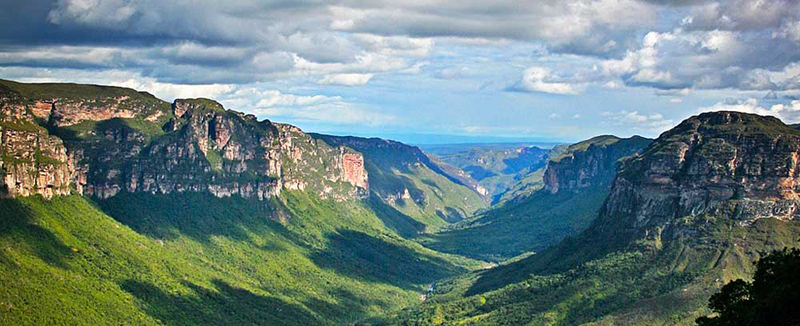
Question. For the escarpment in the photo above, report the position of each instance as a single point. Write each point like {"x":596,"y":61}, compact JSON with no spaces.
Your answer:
{"x":589,"y":163}
{"x":722,"y":164}
{"x":31,"y":160}
{"x":106,"y":140}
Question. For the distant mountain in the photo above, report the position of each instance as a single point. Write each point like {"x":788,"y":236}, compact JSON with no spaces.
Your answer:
{"x":119,"y":208}
{"x":495,"y":167}
{"x":693,"y":211}
{"x":575,"y":183}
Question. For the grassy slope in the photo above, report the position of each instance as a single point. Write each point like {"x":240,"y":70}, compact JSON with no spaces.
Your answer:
{"x":528,"y":219}
{"x":194,"y":259}
{"x":529,"y":224}
{"x":669,"y":286}
{"x":436,"y":199}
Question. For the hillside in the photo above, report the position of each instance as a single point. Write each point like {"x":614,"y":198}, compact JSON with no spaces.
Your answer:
{"x":188,"y":259}
{"x":119,"y":208}
{"x":693,"y":211}
{"x":406,"y":180}
{"x":496,"y":168}
{"x":576,"y":182}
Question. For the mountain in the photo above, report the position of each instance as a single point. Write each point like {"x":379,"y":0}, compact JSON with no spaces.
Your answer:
{"x":120,"y":208}
{"x":495,"y":167}
{"x":575,"y":182}
{"x":692,"y":212}
{"x":410,"y":182}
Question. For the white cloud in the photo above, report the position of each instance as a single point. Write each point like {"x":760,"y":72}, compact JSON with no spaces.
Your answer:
{"x":170,"y":92}
{"x":719,"y":46}
{"x":276,"y":105}
{"x":612,"y":85}
{"x":450,"y":73}
{"x":789,"y":113}
{"x":634,"y":120}
{"x":346,"y":79}
{"x":539,"y":79}
{"x":331,"y":113}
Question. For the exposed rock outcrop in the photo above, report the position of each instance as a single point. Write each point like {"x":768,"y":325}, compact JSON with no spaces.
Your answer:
{"x":31,"y":160}
{"x":589,"y":163}
{"x":137,"y":143}
{"x":731,"y":164}
{"x":353,"y":169}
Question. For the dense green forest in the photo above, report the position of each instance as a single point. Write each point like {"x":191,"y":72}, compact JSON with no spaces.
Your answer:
{"x":189,"y":259}
{"x":668,"y":286}
{"x":770,"y":299}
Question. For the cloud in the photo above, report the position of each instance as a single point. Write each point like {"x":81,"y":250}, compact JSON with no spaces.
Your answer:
{"x":742,"y":15}
{"x":346,"y":79}
{"x":449,"y":73}
{"x":634,"y":120}
{"x":737,"y":44}
{"x":170,"y":92}
{"x":788,"y":112}
{"x":580,"y":26}
{"x":539,"y":79}
{"x":330,"y":113}
{"x":706,"y":60}
{"x":295,"y":108}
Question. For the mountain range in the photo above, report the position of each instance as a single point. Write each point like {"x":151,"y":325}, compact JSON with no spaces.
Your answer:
{"x":120,"y":208}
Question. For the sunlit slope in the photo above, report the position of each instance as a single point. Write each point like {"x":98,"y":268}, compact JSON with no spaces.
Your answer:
{"x":193,"y":259}
{"x":406,"y":182}
{"x":695,"y":210}
{"x":576,"y":182}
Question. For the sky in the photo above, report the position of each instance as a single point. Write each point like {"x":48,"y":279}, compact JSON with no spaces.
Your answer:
{"x":428,"y":70}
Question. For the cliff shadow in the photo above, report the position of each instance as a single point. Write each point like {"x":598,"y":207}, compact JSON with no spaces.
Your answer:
{"x":199,"y":216}
{"x":19,"y":224}
{"x":223,"y":305}
{"x":372,"y":259}
{"x":402,"y":224}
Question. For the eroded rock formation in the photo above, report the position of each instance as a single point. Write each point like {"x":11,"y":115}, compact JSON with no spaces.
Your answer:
{"x":731,"y":164}
{"x":137,"y":143}
{"x":31,"y":160}
{"x":590,"y":163}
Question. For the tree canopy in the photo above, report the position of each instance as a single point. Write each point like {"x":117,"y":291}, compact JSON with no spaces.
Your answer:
{"x":772,"y":298}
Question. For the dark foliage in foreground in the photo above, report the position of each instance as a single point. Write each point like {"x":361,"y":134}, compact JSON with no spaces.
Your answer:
{"x":773,"y":298}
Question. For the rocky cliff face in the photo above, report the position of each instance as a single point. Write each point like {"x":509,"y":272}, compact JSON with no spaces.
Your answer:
{"x":138,"y":144}
{"x":737,"y":165}
{"x":406,"y":179}
{"x":590,"y":163}
{"x":31,"y":160}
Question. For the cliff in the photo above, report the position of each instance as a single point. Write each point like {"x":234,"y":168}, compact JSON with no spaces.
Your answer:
{"x":117,"y":139}
{"x":577,"y":182}
{"x":590,"y":163}
{"x":409,"y":181}
{"x":693,"y":211}
{"x":739,"y":166}
{"x":31,"y":160}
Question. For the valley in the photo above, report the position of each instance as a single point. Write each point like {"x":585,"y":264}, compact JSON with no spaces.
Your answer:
{"x":121,"y":208}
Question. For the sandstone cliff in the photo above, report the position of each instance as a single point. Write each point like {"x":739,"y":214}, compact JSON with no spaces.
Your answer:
{"x":406,"y":179}
{"x":740,"y":166}
{"x":31,"y":160}
{"x":589,"y":163}
{"x":122,"y":140}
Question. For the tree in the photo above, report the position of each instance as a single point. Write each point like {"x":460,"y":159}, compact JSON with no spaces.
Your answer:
{"x":773,"y":298}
